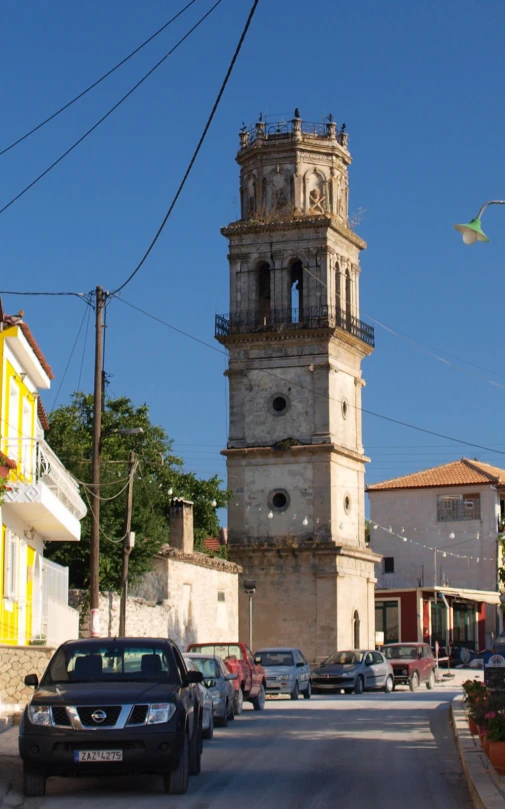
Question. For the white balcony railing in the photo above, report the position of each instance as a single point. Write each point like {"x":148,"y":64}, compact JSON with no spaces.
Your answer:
{"x":38,"y":463}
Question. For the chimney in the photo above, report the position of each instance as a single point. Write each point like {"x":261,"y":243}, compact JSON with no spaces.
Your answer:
{"x":181,"y":525}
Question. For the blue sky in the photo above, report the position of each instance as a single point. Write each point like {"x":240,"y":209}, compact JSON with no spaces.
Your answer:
{"x":420,"y":87}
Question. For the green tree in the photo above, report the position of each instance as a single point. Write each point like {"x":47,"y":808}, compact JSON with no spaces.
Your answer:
{"x":158,"y":471}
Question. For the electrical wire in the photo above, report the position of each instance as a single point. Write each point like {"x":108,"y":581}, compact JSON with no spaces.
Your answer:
{"x":112,"y":541}
{"x":81,"y":295}
{"x":95,"y":83}
{"x":83,"y":350}
{"x":332,"y":398}
{"x":197,"y":150}
{"x":109,"y":112}
{"x":86,"y":313}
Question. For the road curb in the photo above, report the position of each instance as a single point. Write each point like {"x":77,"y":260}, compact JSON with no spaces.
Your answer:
{"x":481,"y":778}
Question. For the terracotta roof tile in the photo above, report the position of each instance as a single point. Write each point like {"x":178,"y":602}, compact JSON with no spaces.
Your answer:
{"x":42,"y":415}
{"x":36,"y":350}
{"x":212,"y":544}
{"x":463,"y":472}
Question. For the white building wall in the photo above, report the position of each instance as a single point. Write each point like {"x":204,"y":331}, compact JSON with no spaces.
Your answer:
{"x":413,"y":513}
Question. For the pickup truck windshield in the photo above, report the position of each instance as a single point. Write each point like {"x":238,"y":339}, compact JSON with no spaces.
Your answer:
{"x":225,"y":651}
{"x":111,"y":663}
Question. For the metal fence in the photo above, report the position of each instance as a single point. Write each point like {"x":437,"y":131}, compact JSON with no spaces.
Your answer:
{"x":310,"y":317}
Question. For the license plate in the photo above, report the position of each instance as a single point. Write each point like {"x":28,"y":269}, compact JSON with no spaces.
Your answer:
{"x":98,"y":755}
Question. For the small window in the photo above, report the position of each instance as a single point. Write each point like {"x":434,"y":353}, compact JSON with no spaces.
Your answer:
{"x":221,"y":596}
{"x":347,"y":504}
{"x":345,"y":408}
{"x":389,"y":564}
{"x":278,"y":500}
{"x":278,"y":404}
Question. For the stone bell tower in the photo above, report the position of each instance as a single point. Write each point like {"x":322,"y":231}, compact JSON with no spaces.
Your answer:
{"x":295,"y":456}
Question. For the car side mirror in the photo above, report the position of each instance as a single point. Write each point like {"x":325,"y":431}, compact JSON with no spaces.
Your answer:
{"x":32,"y":680}
{"x":209,"y":683}
{"x":257,"y":659}
{"x":300,"y":665}
{"x":231,"y":676}
{"x":194,"y":677}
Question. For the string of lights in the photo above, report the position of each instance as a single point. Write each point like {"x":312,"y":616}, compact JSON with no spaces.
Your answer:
{"x":444,"y":552}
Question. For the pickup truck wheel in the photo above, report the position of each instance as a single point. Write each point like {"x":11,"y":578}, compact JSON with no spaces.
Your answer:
{"x":295,"y":692}
{"x":308,"y":691}
{"x":209,"y":732}
{"x":259,"y":701}
{"x":431,"y":681}
{"x":176,"y":781}
{"x":238,"y":702}
{"x":414,"y":681}
{"x":34,"y":783}
{"x":195,"y":752}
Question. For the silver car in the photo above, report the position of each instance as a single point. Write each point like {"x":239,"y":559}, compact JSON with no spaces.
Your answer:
{"x":354,"y":670}
{"x":218,"y":682}
{"x":287,"y":671}
{"x":206,"y":702}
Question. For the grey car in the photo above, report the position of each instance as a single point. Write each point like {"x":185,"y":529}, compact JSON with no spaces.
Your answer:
{"x":219,"y":682}
{"x":287,"y":671}
{"x":354,"y":670}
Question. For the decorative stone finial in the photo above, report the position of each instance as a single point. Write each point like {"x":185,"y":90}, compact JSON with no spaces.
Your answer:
{"x":244,"y":136}
{"x":331,"y":127}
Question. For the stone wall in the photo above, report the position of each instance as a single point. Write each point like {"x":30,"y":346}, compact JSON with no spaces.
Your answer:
{"x":15,"y":663}
{"x":187,"y":597}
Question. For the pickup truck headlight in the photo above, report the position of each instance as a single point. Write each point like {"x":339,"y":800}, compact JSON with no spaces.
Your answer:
{"x":40,"y":715}
{"x":160,"y":712}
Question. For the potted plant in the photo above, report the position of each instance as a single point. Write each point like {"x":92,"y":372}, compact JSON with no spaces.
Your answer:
{"x":496,"y":737}
{"x":476,"y":700}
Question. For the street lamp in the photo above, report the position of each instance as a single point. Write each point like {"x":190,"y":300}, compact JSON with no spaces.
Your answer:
{"x":94,"y":557}
{"x":250,"y":588}
{"x":472,"y":232}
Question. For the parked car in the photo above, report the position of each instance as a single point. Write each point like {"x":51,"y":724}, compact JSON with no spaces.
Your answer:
{"x":250,"y":684}
{"x":218,"y":682}
{"x":413,"y":663}
{"x":287,"y":671}
{"x":206,"y":703}
{"x":353,"y":670}
{"x":113,"y":707}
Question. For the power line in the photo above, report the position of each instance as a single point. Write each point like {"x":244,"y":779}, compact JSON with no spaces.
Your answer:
{"x":332,"y":398}
{"x":110,"y":111}
{"x":95,"y":83}
{"x":169,"y":325}
{"x":84,"y":350}
{"x":83,"y":295}
{"x":197,"y":150}
{"x":86,"y":312}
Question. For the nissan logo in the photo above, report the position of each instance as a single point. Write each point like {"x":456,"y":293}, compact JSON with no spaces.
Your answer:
{"x":99,"y":717}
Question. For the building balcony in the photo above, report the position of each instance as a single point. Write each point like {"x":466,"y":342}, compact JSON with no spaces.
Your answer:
{"x":44,"y":494}
{"x":277,"y":320}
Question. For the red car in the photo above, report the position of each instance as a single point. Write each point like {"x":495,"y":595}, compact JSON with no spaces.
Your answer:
{"x":413,"y":664}
{"x":250,"y":684}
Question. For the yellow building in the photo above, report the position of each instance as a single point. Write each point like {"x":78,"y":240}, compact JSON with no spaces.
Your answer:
{"x":41,"y":500}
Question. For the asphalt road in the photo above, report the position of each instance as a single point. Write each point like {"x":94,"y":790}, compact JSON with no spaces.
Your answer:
{"x":372,"y":752}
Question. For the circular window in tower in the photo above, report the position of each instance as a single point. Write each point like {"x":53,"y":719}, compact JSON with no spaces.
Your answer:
{"x":345,"y":408}
{"x":278,"y":500}
{"x":347,"y":504}
{"x":278,"y":404}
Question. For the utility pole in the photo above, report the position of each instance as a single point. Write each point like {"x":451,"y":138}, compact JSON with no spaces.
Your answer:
{"x":94,"y":561}
{"x":127,"y":546}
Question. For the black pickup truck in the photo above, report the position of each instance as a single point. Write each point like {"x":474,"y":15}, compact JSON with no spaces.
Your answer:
{"x":113,"y":707}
